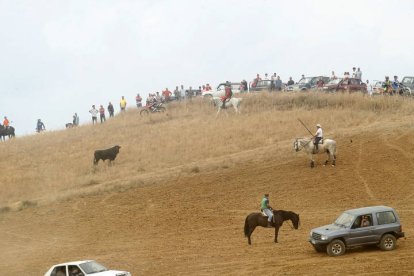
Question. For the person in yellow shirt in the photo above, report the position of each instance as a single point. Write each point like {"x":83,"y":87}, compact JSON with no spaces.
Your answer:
{"x":123,"y":104}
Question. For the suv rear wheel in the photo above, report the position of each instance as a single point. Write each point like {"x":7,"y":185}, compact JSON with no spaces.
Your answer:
{"x":388,"y":242}
{"x":335,"y":248}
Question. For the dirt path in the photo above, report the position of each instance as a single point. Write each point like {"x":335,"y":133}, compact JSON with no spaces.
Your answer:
{"x":193,"y":225}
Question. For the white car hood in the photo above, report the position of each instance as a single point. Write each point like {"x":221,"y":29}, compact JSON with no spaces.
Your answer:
{"x":110,"y":273}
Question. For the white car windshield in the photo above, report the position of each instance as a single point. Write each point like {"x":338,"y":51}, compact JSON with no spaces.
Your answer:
{"x":92,"y":267}
{"x":345,"y":220}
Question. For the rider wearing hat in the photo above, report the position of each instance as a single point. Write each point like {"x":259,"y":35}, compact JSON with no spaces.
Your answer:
{"x":227,"y":95}
{"x":267,"y":209}
{"x":318,"y":136}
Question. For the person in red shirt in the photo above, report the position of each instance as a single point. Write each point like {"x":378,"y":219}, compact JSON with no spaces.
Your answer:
{"x":167,"y":94}
{"x":256,"y":80}
{"x":228,"y":94}
{"x":6,"y":122}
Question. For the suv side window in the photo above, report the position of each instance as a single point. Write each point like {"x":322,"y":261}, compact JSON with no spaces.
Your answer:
{"x":386,"y":217}
{"x":362,"y":221}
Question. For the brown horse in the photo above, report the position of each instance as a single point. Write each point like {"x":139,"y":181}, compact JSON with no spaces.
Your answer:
{"x":258,"y":219}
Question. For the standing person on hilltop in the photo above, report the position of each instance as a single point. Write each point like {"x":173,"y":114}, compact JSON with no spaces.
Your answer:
{"x":243,"y":85}
{"x":272,"y":81}
{"x":333,"y":76}
{"x":358,"y":74}
{"x":75,"y":120}
{"x":94,"y":112}
{"x":395,"y":85}
{"x":6,"y":122}
{"x":138,"y":100}
{"x":166,"y":94}
{"x":256,"y":80}
{"x":290,"y":81}
{"x":182,"y":92}
{"x":122,"y":104}
{"x":177,"y":93}
{"x":40,"y":126}
{"x":353,"y":72}
{"x":387,"y":85}
{"x":278,"y":84}
{"x":102,"y":114}
{"x":369,"y":88}
{"x":111,"y":109}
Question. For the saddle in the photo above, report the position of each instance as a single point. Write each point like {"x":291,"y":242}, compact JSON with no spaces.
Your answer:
{"x":321,"y":141}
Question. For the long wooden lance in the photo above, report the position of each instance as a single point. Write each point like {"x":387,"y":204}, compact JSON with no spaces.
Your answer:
{"x":305,"y":126}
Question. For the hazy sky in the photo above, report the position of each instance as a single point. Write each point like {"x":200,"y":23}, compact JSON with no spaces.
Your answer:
{"x":60,"y":57}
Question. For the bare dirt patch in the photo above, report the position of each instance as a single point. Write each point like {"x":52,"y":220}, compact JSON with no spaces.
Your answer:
{"x":192,"y":224}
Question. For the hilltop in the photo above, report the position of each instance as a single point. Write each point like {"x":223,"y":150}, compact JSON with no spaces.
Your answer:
{"x":176,"y":198}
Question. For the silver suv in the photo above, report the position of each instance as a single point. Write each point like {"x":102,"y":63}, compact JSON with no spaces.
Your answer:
{"x":369,"y":225}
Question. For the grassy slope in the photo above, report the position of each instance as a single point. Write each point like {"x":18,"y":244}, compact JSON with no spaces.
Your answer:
{"x":42,"y":168}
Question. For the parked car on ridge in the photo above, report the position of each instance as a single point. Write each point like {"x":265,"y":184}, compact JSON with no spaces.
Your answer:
{"x":331,"y":85}
{"x":349,"y":85}
{"x":264,"y":85}
{"x":408,"y":82}
{"x":306,"y":83}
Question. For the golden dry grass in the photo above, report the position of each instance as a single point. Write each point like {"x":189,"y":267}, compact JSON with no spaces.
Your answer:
{"x":188,"y":139}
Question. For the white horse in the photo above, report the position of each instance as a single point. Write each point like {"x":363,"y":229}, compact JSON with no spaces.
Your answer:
{"x":235,"y":102}
{"x":328,"y":146}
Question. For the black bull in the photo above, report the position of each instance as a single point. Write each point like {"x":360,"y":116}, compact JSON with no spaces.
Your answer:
{"x":105,"y":154}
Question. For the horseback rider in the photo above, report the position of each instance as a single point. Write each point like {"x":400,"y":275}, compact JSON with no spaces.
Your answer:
{"x":267,"y":209}
{"x":318,"y":136}
{"x":228,"y":94}
{"x":6,"y":122}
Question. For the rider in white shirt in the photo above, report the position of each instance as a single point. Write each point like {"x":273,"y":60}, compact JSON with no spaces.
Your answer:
{"x":318,"y":136}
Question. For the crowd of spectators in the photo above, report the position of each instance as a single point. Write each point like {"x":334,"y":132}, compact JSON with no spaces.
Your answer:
{"x":180,"y":93}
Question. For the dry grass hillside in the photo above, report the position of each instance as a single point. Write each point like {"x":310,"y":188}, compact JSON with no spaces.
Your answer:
{"x":175,"y":200}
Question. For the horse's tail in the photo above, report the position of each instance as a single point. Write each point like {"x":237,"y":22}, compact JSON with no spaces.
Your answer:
{"x":246,"y":227}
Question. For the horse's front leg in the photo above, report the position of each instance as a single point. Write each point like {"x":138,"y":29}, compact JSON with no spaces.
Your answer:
{"x":276,"y":232}
{"x":327,"y":160}
{"x":236,"y":110}
{"x":312,"y":162}
{"x":218,"y":111}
